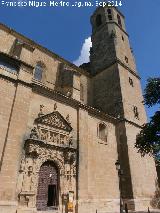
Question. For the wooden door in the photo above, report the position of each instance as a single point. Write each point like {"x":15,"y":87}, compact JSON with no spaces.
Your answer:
{"x":48,"y":187}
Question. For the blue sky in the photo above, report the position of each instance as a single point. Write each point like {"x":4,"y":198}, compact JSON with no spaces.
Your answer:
{"x":64,"y":30}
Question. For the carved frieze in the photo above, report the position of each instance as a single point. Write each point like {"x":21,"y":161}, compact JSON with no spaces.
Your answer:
{"x":51,"y":136}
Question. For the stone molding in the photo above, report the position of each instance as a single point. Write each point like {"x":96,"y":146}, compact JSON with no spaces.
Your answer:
{"x":33,"y":44}
{"x":117,"y":60}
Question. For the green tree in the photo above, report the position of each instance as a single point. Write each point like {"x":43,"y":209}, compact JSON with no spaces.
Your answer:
{"x":148,"y":140}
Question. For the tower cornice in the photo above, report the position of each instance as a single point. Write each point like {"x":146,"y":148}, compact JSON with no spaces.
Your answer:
{"x":111,"y":22}
{"x":117,"y":60}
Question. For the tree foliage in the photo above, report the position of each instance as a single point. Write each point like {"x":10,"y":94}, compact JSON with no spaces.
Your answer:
{"x":152,"y":92}
{"x":148,"y":140}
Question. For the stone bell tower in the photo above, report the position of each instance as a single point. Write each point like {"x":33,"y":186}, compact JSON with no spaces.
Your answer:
{"x":117,"y":91}
{"x":116,"y":84}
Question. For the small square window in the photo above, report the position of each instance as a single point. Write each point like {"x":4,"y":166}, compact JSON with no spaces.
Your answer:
{"x":102,"y":132}
{"x":131,"y":82}
{"x":126,"y":59}
{"x":136,"y":113}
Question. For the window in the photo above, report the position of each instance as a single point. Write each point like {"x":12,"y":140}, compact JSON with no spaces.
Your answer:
{"x":98,"y":20}
{"x":126,"y":59}
{"x":136,"y":113}
{"x":122,"y":38}
{"x":102,"y":132}
{"x":38,"y":73}
{"x":109,"y":14}
{"x":119,"y":20}
{"x":131,"y":82}
{"x":8,"y":64}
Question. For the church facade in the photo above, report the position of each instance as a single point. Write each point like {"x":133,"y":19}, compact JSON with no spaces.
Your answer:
{"x":64,"y":127}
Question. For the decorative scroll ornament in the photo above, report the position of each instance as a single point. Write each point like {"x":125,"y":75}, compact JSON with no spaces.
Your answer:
{"x":55,"y":106}
{"x":67,"y":119}
{"x":34,"y":133}
{"x":70,"y":157}
{"x":41,"y":111}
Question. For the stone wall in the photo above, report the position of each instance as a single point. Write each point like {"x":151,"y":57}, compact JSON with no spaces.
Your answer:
{"x":107,"y":91}
{"x":132,"y":96}
{"x":98,"y":179}
{"x":58,"y":74}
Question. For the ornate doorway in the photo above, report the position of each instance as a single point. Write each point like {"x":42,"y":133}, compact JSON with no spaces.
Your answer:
{"x":48,"y":168}
{"x":48,"y":187}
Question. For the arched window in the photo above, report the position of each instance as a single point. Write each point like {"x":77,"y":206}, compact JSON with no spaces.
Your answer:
{"x":38,"y":73}
{"x":48,"y":187}
{"x":102,"y":132}
{"x":98,"y":20}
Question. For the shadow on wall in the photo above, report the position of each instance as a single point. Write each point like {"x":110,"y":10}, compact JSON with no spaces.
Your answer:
{"x":126,"y":179}
{"x":64,"y":80}
{"x":155,"y":202}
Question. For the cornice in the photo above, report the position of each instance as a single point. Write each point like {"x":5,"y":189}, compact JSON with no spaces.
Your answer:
{"x":117,"y":60}
{"x":130,"y":122}
{"x":113,"y":22}
{"x":16,"y":60}
{"x":116,"y":8}
{"x":44,"y":90}
{"x":33,"y":44}
{"x":133,"y":72}
{"x":15,"y":81}
{"x":106,"y":23}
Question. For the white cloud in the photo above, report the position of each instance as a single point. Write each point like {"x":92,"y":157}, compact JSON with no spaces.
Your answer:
{"x":84,"y":55}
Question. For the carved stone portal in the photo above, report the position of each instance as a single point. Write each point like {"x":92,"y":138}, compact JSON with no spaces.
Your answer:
{"x":50,"y":141}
